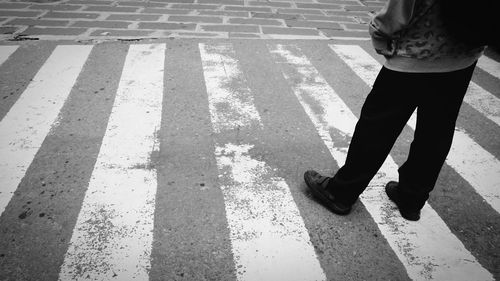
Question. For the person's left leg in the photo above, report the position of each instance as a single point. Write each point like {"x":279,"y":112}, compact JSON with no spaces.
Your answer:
{"x":437,"y":113}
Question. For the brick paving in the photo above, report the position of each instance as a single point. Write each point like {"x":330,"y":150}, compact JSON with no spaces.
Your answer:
{"x":129,"y":19}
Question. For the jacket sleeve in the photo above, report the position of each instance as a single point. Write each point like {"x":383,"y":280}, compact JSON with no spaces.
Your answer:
{"x":384,"y":27}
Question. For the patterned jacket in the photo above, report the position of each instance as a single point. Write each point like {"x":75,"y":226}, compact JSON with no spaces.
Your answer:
{"x":411,"y":35}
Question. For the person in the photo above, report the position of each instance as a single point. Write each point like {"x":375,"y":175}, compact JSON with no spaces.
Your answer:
{"x":426,"y":69}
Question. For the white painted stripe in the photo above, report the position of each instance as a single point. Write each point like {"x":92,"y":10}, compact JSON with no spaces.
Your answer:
{"x":268,"y":236}
{"x":113,"y":235}
{"x":427,"y":248}
{"x":484,"y":102}
{"x":476,"y":165}
{"x":25,"y":126}
{"x":5,"y":52}
{"x":231,"y":106}
{"x":489,"y":65}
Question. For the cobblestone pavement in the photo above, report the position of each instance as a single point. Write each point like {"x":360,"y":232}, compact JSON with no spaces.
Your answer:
{"x":133,"y":19}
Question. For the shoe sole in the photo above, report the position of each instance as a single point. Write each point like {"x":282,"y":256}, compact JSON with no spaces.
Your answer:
{"x":318,"y":194}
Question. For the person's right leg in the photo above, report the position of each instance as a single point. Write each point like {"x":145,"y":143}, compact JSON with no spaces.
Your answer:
{"x":383,"y":116}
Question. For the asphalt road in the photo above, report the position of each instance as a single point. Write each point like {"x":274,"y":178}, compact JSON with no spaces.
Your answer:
{"x":183,"y":159}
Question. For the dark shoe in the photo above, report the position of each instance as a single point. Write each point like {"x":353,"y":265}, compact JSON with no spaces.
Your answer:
{"x":392,"y":191}
{"x":318,"y":185}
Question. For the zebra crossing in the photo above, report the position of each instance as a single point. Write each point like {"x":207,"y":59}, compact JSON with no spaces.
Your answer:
{"x":123,"y":186}
{"x":114,"y":235}
{"x":373,"y":198}
{"x":268,"y":239}
{"x":21,"y":139}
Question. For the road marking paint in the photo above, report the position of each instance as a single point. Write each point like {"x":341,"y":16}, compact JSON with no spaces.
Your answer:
{"x":268,"y":236}
{"x":476,"y":165}
{"x":484,"y":102}
{"x":114,"y":230}
{"x":5,"y":52}
{"x":231,"y":105}
{"x":30,"y":119}
{"x":489,"y":65}
{"x":427,"y":249}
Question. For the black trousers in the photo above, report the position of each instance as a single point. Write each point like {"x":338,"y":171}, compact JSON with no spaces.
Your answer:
{"x":393,"y":98}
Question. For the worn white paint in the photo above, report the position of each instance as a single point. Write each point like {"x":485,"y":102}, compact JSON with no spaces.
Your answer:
{"x":476,"y":165}
{"x":484,"y":102}
{"x":489,"y":65}
{"x":30,"y":119}
{"x":113,"y":235}
{"x":231,"y":104}
{"x":6,"y":51}
{"x":427,"y":248}
{"x":268,"y":236}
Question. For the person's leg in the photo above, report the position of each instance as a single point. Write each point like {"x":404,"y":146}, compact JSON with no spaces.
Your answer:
{"x":437,"y":113}
{"x":383,"y":116}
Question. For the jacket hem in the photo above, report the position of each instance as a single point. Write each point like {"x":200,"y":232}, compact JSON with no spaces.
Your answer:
{"x":443,"y":64}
